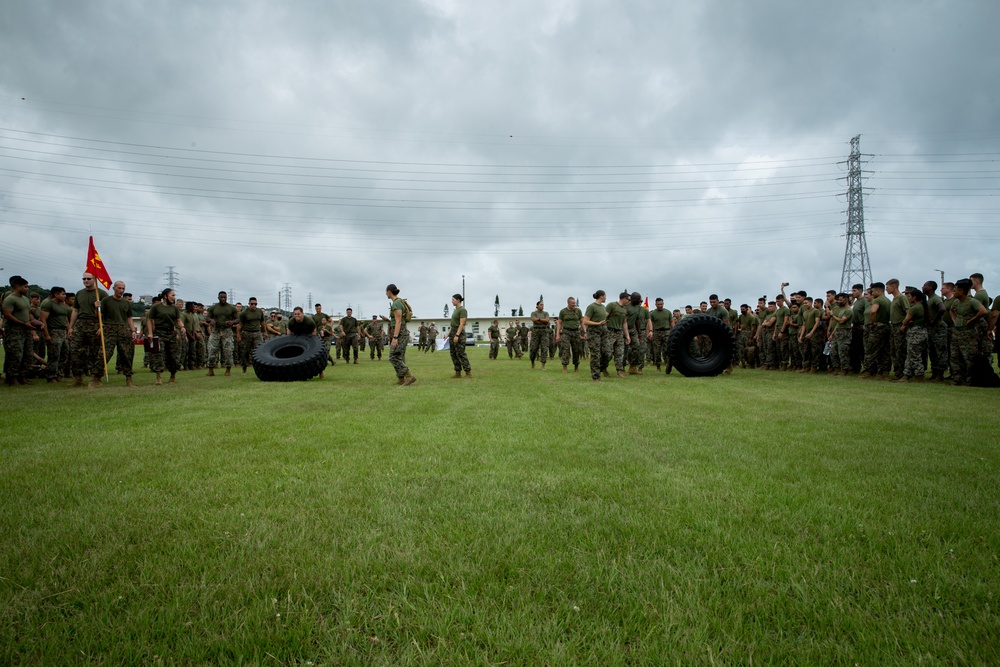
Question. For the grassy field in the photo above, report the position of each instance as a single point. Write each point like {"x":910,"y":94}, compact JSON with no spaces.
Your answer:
{"x":517,"y":518}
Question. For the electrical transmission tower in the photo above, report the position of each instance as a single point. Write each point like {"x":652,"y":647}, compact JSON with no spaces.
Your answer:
{"x":172,"y":277}
{"x":232,"y":296}
{"x":857,"y":268}
{"x":286,"y":297}
{"x":309,"y":300}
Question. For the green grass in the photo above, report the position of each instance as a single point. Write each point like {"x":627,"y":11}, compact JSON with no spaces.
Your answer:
{"x":518,"y":518}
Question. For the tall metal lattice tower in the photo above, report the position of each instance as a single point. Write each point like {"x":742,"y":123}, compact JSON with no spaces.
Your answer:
{"x":172,"y":277}
{"x":857,"y":268}
{"x":286,"y":297}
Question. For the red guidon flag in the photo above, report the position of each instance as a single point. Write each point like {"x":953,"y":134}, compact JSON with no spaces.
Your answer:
{"x":646,"y":303}
{"x":95,"y":266}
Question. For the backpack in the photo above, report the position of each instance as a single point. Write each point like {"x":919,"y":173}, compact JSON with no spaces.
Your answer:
{"x":407,"y":311}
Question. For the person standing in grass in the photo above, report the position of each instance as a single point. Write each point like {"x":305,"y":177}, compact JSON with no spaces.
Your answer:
{"x":249,"y":332}
{"x":116,"y":313}
{"x":568,"y":334}
{"x":965,"y":312}
{"x":374,"y":334}
{"x":595,"y":332}
{"x":618,"y":332}
{"x":399,"y":336}
{"x":222,"y":317}
{"x":349,"y":335}
{"x":512,"y":346}
{"x":914,"y":328}
{"x":163,"y":321}
{"x":494,"y":335}
{"x":459,"y":359}
{"x":539,"y":335}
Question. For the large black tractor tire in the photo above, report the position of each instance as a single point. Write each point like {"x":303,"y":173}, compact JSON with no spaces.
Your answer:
{"x":289,"y":359}
{"x":718,"y":359}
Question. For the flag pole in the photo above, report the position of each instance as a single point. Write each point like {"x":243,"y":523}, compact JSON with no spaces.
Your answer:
{"x":100,"y":328}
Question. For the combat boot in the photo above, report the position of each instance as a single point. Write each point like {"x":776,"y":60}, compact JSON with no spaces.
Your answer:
{"x":565,"y":368}
{"x":173,"y":378}
{"x":670,"y":367}
{"x":228,"y":372}
{"x":408,"y":379}
{"x":468,"y":374}
{"x":543,"y":365}
{"x":77,"y":381}
{"x":457,"y":375}
{"x":632,"y":370}
{"x":576,"y":368}
{"x":95,"y":382}
{"x":128,"y":381}
{"x":532,"y":364}
{"x":606,"y":374}
{"x":211,"y":372}
{"x":159,"y":379}
{"x":399,"y":380}
{"x":621,"y":374}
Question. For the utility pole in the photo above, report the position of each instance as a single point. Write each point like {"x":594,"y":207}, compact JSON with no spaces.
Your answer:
{"x":942,"y":277}
{"x":857,"y":268}
{"x":309,"y":300}
{"x":232,"y":295}
{"x":286,"y":297}
{"x":463,"y":288}
{"x":172,"y":277}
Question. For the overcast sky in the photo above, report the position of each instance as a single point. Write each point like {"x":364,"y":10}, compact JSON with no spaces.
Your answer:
{"x":556,"y":148}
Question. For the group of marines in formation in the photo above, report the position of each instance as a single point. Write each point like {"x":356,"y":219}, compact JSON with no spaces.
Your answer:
{"x":863,"y":332}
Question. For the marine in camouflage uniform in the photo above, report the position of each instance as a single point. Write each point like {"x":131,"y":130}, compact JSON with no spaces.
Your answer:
{"x":595,"y":320}
{"x":374,"y":333}
{"x":539,"y":335}
{"x":55,"y":315}
{"x":915,"y":330}
{"x":85,"y":334}
{"x":897,"y":337}
{"x":812,"y":336}
{"x":432,"y":333}
{"x":637,"y":321}
{"x":794,"y":343}
{"x":617,"y":314}
{"x":116,"y":314}
{"x":250,"y":332}
{"x":399,"y":336}
{"x":19,"y":336}
{"x":493,"y":333}
{"x":569,"y":335}
{"x":522,"y":337}
{"x":747,"y":324}
{"x":349,"y":335}
{"x":783,"y":316}
{"x":841,"y":323}
{"x":661,"y":320}
{"x":513,"y":346}
{"x":422,"y":337}
{"x":456,"y":335}
{"x":221,"y":338}
{"x":965,"y":346}
{"x":163,"y":321}
{"x":937,"y":331}
{"x":766,"y":337}
{"x":877,"y":358}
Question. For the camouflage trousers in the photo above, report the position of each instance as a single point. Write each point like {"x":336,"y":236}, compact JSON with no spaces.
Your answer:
{"x":767,"y":351}
{"x":570,"y":346}
{"x":553,"y":346}
{"x":795,"y":349}
{"x":659,"y":346}
{"x":196,"y":352}
{"x":397,"y":355}
{"x":916,"y":348}
{"x":169,"y":357}
{"x":539,"y":345}
{"x":350,"y":342}
{"x":617,"y":337}
{"x":840,"y":349}
{"x":422,"y":342}
{"x":938,"y":348}
{"x":898,"y":343}
{"x":513,"y":348}
{"x":118,"y":340}
{"x":877,"y":348}
{"x":964,"y":354}
{"x":523,"y":342}
{"x":459,"y":359}
{"x":57,"y":353}
{"x":85,"y":349}
{"x":637,"y":348}
{"x":220,"y":341}
{"x":494,"y":349}
{"x":743,"y":343}
{"x":182,"y":351}
{"x":375,"y":345}
{"x":17,"y":347}
{"x":811,"y":350}
{"x":782,"y":351}
{"x":600,"y":345}
{"x":249,"y":340}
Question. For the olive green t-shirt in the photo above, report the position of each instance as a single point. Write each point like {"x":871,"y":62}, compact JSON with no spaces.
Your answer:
{"x":456,"y":318}
{"x":916,"y":312}
{"x":884,"y":306}
{"x":898,"y":309}
{"x":982,"y":297}
{"x":58,"y":315}
{"x":252,"y":320}
{"x":318,"y":318}
{"x":965,"y":311}
{"x":780,"y":314}
{"x":20,"y":307}
{"x":616,"y":315}
{"x":571,"y":318}
{"x":116,"y":311}
{"x":537,"y":315}
{"x":948,"y":303}
{"x":494,"y":333}
{"x":661,"y":319}
{"x":164,"y":319}
{"x":934,"y":304}
{"x":511,"y":333}
{"x":304,"y":328}
{"x":282,"y":327}
{"x":748,"y":322}
{"x":860,"y":310}
{"x":996,"y":304}
{"x":84,"y":303}
{"x":842,"y":312}
{"x":720,"y":312}
{"x":350,"y":325}
{"x":220,"y":314}
{"x":596,"y":312}
{"x":809,"y":318}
